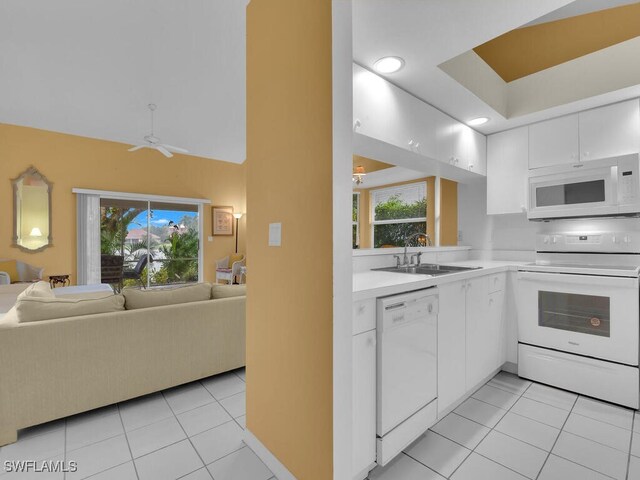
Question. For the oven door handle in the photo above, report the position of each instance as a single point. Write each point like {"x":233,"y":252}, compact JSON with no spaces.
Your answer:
{"x":569,"y":279}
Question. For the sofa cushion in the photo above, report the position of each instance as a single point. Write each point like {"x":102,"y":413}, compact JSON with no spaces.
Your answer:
{"x":135,"y":298}
{"x":11,"y":267}
{"x":33,"y":309}
{"x":37,"y":290}
{"x":226,"y":291}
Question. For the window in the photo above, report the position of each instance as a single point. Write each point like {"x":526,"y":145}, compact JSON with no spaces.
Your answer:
{"x":355,"y":218}
{"x":398,"y":212}
{"x":158,"y":241}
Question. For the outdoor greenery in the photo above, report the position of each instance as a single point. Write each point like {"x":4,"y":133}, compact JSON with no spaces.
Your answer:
{"x":173,"y":248}
{"x":393,"y":234}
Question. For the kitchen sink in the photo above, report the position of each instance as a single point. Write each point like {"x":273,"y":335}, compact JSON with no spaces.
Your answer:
{"x":427,"y":269}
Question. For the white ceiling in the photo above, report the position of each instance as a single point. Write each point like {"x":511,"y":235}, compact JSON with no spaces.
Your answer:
{"x":90,"y":68}
{"x":428,"y":32}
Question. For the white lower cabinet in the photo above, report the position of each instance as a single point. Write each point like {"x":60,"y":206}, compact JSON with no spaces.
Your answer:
{"x":364,"y":403}
{"x":451,"y":344}
{"x":471,"y":335}
{"x":484,"y":329}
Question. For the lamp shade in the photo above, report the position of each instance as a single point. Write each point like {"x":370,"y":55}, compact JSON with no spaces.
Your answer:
{"x":237,"y":216}
{"x":35,"y":232}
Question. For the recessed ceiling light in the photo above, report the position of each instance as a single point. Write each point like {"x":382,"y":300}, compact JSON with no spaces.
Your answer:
{"x":478,"y":121}
{"x":388,"y":64}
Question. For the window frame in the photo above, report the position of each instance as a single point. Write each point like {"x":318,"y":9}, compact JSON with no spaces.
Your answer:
{"x":372,"y":216}
{"x":356,"y":222}
{"x":114,"y":195}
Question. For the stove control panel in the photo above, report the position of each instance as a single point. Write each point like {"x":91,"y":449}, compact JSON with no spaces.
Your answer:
{"x":592,"y":242}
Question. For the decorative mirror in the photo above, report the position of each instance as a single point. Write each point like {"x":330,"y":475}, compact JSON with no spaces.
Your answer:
{"x":31,"y":211}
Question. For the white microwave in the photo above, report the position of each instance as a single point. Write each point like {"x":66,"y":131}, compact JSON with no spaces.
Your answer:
{"x":599,"y":188}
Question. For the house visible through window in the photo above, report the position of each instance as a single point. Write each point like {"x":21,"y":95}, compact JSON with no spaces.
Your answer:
{"x":355,"y":218}
{"x":159,"y":242}
{"x":398,"y":212}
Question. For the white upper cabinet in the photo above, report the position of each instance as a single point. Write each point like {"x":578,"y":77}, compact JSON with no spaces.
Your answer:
{"x":389,"y":114}
{"x":554,"y":142}
{"x":424,"y":120}
{"x":381,"y":110}
{"x":610,"y":131}
{"x":507,"y":171}
{"x":476,"y":152}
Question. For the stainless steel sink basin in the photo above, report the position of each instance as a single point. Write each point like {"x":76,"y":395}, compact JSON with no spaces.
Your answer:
{"x":427,"y":269}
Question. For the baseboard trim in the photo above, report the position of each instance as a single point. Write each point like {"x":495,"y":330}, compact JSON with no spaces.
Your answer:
{"x":510,"y":367}
{"x":270,"y":460}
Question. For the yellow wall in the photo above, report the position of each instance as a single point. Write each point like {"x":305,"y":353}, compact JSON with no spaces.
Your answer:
{"x":289,"y":180}
{"x":369,"y":164}
{"x":528,"y":50}
{"x":69,"y":161}
{"x":448,"y":212}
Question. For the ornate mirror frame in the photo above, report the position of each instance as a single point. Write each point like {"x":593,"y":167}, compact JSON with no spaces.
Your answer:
{"x":30,"y":172}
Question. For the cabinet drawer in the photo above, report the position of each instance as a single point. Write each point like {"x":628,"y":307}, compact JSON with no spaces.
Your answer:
{"x":496,"y":282}
{"x":364,"y":315}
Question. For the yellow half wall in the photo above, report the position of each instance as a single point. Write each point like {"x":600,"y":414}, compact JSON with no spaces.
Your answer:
{"x":290,"y":181}
{"x":70,"y":161}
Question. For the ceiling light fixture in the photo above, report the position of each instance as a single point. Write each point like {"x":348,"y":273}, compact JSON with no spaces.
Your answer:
{"x":478,"y":121}
{"x":358,"y":173}
{"x":388,"y":64}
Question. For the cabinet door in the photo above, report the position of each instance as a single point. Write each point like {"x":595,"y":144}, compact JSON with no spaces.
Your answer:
{"x":446,"y":140}
{"x":554,"y":142}
{"x":479,"y":333}
{"x":382,"y":110}
{"x":424,"y":120}
{"x":507,"y":171}
{"x":451,"y":344}
{"x":610,"y":131}
{"x":496,"y":318}
{"x":477,"y":153}
{"x":364,"y":401}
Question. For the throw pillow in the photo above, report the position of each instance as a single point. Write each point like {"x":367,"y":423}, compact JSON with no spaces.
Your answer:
{"x":135,"y":298}
{"x":33,"y":309}
{"x":38,"y":289}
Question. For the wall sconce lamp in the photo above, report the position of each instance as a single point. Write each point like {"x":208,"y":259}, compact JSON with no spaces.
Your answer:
{"x":358,"y":173}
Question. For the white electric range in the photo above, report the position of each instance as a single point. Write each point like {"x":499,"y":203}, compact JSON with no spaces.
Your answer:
{"x":578,"y":314}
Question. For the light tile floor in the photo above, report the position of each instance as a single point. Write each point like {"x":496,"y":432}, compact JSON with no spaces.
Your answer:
{"x":513,"y":429}
{"x":191,"y":432}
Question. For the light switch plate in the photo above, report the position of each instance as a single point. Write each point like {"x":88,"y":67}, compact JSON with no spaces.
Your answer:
{"x":275,"y":234}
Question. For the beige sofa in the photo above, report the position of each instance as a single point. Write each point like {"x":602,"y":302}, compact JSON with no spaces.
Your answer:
{"x":54,"y":368}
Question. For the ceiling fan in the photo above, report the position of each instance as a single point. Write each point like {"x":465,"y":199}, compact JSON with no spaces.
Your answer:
{"x":154,"y":142}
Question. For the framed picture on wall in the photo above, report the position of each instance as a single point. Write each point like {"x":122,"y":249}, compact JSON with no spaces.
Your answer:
{"x":222,"y":220}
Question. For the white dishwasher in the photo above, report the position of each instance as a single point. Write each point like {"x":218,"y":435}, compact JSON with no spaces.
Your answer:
{"x":407,"y":377}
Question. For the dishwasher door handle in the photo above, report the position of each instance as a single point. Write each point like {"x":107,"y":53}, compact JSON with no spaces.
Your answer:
{"x":394,"y":306}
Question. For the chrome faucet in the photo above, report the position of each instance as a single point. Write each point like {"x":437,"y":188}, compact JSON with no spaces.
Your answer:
{"x":407,"y":240}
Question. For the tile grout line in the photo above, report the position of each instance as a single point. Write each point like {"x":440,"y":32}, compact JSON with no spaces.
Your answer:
{"x":185,"y":432}
{"x":492,"y":429}
{"x":556,"y":440}
{"x":126,"y":436}
{"x":229,"y":413}
{"x":633,"y":421}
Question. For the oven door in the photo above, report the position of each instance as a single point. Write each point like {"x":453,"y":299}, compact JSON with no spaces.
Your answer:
{"x":574,"y":193}
{"x":588,"y":315}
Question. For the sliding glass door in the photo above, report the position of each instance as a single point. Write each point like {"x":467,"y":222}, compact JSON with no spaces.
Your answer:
{"x":146,"y":243}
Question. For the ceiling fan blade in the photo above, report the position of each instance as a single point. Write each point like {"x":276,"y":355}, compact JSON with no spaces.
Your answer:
{"x":164,"y":151}
{"x":175,"y":149}
{"x":137,"y":147}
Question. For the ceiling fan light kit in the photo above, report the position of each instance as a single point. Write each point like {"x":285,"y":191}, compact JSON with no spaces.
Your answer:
{"x":155,"y":143}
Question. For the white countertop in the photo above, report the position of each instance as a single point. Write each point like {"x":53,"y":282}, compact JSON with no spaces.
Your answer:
{"x":372,"y":284}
